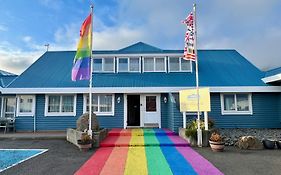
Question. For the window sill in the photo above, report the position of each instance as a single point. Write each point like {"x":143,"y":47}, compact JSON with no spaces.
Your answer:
{"x":237,"y":113}
{"x":60,"y":114}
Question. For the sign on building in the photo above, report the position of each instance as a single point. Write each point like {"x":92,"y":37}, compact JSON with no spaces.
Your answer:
{"x":188,"y":100}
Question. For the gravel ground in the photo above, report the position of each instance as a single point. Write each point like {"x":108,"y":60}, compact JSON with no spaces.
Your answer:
{"x":62,"y":157}
{"x":244,"y":162}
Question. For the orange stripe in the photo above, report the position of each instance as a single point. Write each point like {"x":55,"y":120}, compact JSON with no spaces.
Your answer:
{"x":116,"y":162}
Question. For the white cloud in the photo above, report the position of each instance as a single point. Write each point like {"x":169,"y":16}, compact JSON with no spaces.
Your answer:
{"x":14,"y":59}
{"x":27,"y":39}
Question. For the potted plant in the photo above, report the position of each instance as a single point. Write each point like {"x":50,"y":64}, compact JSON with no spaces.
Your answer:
{"x":216,"y":142}
{"x":85,"y":143}
{"x":268,"y":144}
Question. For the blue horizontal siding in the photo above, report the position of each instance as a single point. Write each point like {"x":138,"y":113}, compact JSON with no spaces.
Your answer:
{"x":45,"y":123}
{"x":265,"y":113}
{"x":164,"y":111}
{"x":116,"y":121}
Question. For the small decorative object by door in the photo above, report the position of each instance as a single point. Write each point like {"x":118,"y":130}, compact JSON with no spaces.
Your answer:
{"x":216,"y":142}
{"x":85,"y":143}
{"x":268,"y":144}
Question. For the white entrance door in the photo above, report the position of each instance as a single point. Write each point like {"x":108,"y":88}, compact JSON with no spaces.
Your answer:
{"x":150,"y":110}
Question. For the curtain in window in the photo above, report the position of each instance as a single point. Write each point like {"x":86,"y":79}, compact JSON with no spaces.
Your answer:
{"x":229,"y":104}
{"x":105,"y":103}
{"x":67,"y":103}
{"x":54,"y":104}
{"x":159,"y":64}
{"x":25,"y":104}
{"x":148,"y":64}
{"x":123,"y":65}
{"x":108,"y":64}
{"x":134,"y":64}
{"x":185,"y":65}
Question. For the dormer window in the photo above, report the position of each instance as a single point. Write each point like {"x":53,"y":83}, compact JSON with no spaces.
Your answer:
{"x":154,"y":64}
{"x":103,"y":65}
{"x":128,"y":64}
{"x":178,"y":64}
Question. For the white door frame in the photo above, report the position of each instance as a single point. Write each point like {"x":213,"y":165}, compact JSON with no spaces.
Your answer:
{"x":143,"y":107}
{"x":126,"y":112}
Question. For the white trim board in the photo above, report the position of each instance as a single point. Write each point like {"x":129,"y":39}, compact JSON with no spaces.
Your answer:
{"x":272,"y":78}
{"x":137,"y":90}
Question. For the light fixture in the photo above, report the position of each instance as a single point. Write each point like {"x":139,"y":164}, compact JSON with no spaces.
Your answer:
{"x":118,"y":100}
{"x":165,"y":99}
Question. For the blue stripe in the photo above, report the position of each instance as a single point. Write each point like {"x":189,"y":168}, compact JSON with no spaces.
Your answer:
{"x":178,"y":164}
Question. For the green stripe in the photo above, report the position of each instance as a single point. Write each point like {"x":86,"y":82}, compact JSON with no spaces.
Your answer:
{"x":156,"y":161}
{"x":82,"y":54}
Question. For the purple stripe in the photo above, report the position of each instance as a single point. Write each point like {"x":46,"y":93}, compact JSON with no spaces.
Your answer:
{"x":81,"y":69}
{"x":201,"y":165}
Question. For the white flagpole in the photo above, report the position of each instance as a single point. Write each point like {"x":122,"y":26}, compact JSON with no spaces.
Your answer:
{"x":199,"y":131}
{"x":90,"y":132}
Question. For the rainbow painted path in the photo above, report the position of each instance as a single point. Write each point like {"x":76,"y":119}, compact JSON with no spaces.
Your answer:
{"x":146,"y":151}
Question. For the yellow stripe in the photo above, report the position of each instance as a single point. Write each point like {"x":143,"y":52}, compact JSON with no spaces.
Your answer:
{"x":136,"y":161}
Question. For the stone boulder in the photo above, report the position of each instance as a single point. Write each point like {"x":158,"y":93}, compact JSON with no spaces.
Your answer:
{"x":82,"y":123}
{"x":249,"y":142}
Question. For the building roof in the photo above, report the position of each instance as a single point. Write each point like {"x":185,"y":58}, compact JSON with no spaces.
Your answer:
{"x":216,"y":68}
{"x":273,"y":76}
{"x":6,"y":78}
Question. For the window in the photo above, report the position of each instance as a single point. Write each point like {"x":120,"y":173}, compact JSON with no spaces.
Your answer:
{"x":236,"y":104}
{"x":129,"y":64}
{"x":177,"y":64}
{"x":60,"y":105}
{"x":103,"y":65}
{"x":102,"y":104}
{"x":8,"y":107}
{"x":26,"y":105}
{"x":156,"y":64}
{"x":151,"y":104}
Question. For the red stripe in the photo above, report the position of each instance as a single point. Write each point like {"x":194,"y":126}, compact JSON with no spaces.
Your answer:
{"x":95,"y":164}
{"x":85,"y":25}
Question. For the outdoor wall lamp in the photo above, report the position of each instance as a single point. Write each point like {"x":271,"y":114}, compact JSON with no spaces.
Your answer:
{"x":165,"y":99}
{"x":118,"y":100}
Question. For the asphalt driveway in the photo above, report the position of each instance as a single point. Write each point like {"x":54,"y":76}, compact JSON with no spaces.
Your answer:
{"x":62,"y":157}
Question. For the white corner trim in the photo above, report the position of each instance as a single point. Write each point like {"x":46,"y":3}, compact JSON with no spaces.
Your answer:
{"x":32,"y":113}
{"x":272,"y":78}
{"x":47,"y":114}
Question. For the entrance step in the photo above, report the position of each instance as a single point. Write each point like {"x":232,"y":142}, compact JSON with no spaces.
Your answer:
{"x":128,"y":141}
{"x":140,"y":132}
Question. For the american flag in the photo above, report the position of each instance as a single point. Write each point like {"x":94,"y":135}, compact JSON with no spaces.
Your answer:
{"x":189,"y":50}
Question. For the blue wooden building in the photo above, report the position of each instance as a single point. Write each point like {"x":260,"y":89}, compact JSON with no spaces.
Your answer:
{"x":138,"y":86}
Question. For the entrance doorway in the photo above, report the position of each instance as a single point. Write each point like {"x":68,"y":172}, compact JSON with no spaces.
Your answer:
{"x":133,"y":110}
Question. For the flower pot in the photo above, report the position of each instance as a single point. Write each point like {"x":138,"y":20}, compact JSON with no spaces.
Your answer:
{"x":85,"y":147}
{"x":268,"y":144}
{"x":216,"y":146}
{"x":278,"y":143}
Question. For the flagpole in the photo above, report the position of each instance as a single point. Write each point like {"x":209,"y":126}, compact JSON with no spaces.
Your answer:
{"x":90,"y":132}
{"x":199,"y":131}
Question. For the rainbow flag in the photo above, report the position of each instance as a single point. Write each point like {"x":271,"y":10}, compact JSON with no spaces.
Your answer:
{"x":81,"y":63}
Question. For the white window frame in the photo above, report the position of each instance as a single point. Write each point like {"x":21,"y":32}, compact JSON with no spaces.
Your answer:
{"x":236,"y":112}
{"x":180,"y":68}
{"x":102,"y":65}
{"x":60,"y":113}
{"x":32,"y":113}
{"x":99,"y":113}
{"x":154,"y":64}
{"x":128,"y":68}
{"x":3,"y":112}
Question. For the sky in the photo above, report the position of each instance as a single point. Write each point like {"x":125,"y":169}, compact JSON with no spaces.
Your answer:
{"x":252,"y":27}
